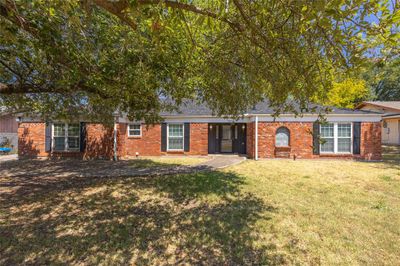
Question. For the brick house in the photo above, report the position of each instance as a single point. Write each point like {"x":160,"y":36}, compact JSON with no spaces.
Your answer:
{"x":194,"y":130}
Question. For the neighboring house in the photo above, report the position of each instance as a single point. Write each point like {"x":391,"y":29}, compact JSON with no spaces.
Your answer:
{"x":196,"y":131}
{"x":390,"y":119}
{"x":8,"y":129}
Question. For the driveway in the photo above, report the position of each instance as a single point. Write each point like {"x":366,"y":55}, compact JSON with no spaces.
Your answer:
{"x":11,"y":157}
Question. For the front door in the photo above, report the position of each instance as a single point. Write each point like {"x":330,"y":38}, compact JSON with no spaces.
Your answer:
{"x":239,"y":139}
{"x":226,"y":139}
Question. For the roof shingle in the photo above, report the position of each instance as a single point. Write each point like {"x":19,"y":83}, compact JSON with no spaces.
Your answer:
{"x":191,"y":108}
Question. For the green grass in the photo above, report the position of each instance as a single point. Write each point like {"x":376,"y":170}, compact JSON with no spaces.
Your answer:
{"x":394,"y":157}
{"x":391,"y":153}
{"x":265,"y":212}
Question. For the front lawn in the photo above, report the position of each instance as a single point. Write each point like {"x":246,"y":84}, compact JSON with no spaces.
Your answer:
{"x":265,"y":212}
{"x":159,"y":161}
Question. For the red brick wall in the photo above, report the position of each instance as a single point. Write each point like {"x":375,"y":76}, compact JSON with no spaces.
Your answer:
{"x":300,"y":139}
{"x":99,"y":141}
{"x":31,"y":140}
{"x":250,"y":140}
{"x":371,"y":148}
{"x":149,"y":144}
{"x":198,"y":139}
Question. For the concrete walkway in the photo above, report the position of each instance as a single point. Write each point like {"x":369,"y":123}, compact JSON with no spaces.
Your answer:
{"x":6,"y":158}
{"x":222,"y":161}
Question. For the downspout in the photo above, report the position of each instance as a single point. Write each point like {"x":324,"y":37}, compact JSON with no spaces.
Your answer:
{"x":115,"y":141}
{"x":256,"y":139}
{"x":116,"y":116}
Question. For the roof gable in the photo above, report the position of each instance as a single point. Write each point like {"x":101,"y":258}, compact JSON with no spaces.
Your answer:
{"x":394,"y":105}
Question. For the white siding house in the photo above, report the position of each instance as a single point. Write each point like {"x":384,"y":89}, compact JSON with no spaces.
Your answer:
{"x":390,"y":119}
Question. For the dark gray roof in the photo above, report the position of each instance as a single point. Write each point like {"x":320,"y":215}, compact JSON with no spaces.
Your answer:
{"x":390,"y":115}
{"x":192,"y":108}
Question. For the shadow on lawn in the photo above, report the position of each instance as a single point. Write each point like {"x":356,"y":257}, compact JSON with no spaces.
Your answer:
{"x":27,"y":177}
{"x":188,"y":218}
{"x":395,"y":164}
{"x":74,"y":167}
{"x":391,"y":156}
{"x":384,"y":164}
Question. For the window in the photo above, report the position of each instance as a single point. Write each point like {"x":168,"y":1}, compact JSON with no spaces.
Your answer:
{"x":134,"y":130}
{"x":282,"y":137}
{"x":336,"y":138}
{"x":327,"y":138}
{"x":66,"y":137}
{"x":175,"y":137}
{"x":59,"y":137}
{"x":226,"y":132}
{"x":344,"y":137}
{"x":236,"y":131}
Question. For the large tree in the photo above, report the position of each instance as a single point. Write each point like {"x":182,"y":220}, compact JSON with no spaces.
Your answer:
{"x":143,"y":56}
{"x":347,"y":93}
{"x":384,"y":80}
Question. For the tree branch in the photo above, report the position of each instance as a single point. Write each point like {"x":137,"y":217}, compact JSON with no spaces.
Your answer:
{"x":8,"y":10}
{"x":24,"y":88}
{"x":9,"y":68}
{"x":17,"y":88}
{"x":187,"y":7}
{"x":117,"y":9}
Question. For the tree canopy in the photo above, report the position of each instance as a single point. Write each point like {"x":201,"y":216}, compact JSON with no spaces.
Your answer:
{"x":59,"y":58}
{"x":348,"y":93}
{"x":383,"y":78}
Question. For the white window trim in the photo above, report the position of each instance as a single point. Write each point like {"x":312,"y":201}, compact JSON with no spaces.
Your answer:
{"x":183,"y":137}
{"x":66,"y":148}
{"x":135,"y":136}
{"x":336,"y":137}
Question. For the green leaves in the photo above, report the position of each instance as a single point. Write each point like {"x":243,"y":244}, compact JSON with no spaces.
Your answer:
{"x":97,"y":56}
{"x":52,"y":12}
{"x":383,"y":78}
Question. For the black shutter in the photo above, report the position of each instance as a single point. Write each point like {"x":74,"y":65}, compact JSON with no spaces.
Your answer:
{"x":163,"y":137}
{"x":48,"y":137}
{"x":211,"y":138}
{"x":356,"y":137}
{"x":186,"y":133}
{"x":83,"y":136}
{"x":316,"y":138}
